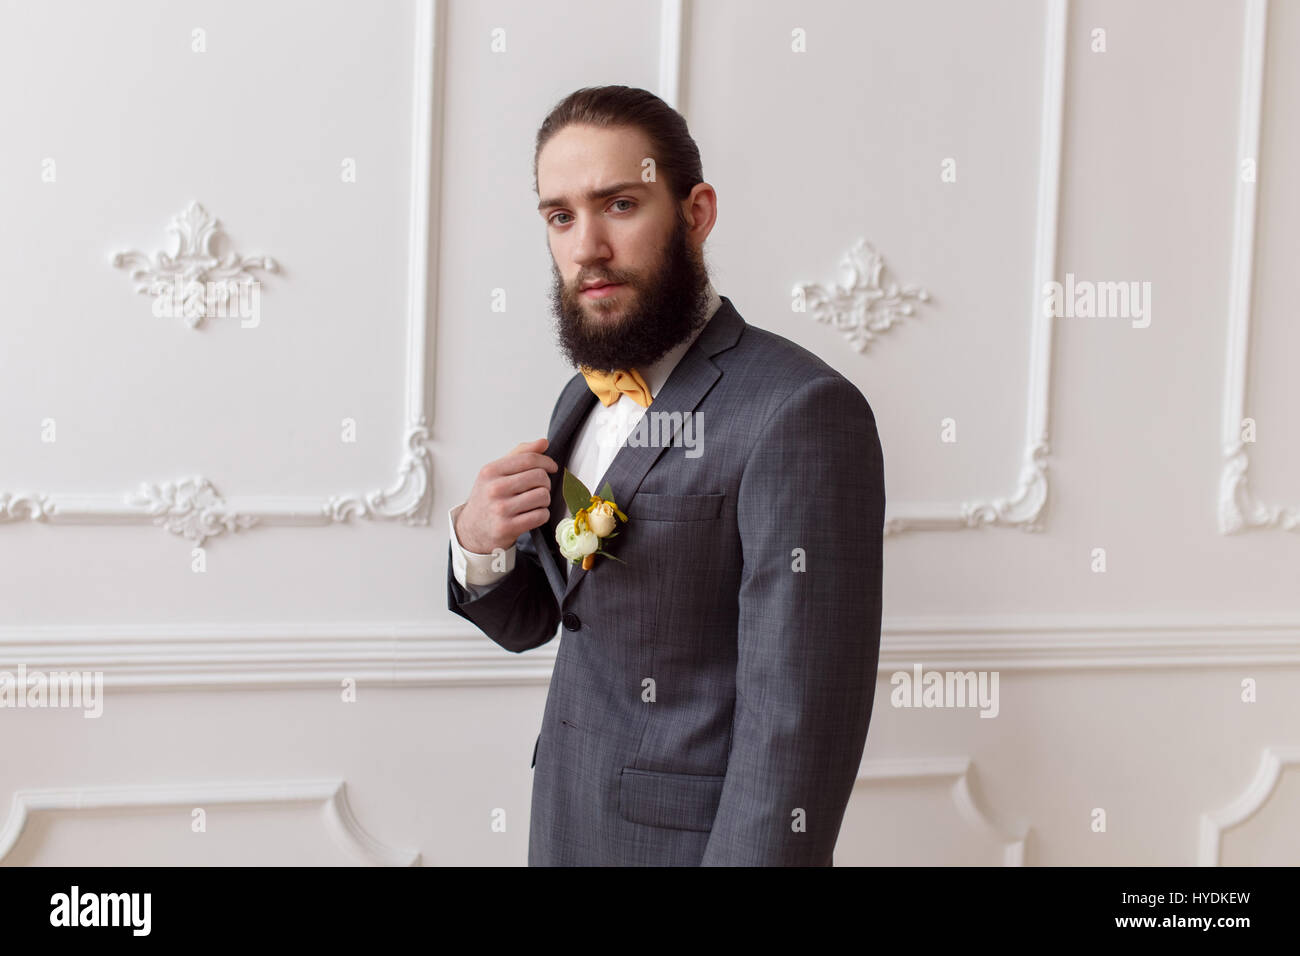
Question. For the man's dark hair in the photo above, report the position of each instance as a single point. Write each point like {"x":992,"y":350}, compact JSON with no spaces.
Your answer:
{"x":671,"y":147}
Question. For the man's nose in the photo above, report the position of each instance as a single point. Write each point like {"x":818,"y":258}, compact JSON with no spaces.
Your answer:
{"x":591,"y":245}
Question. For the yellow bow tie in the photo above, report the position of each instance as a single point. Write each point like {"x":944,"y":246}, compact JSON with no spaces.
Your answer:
{"x":609,"y":386}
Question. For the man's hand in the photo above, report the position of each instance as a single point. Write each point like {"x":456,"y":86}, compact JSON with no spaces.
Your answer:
{"x":510,"y":496}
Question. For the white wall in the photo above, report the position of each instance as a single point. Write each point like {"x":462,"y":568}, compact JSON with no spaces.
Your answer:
{"x":1119,"y":690}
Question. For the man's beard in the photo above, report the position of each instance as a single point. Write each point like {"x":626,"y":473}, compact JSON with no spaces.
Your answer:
{"x":660,"y":311}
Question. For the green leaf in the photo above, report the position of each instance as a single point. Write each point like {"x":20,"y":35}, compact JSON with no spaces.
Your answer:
{"x":606,"y":492}
{"x":614,"y":556}
{"x":576,"y":495}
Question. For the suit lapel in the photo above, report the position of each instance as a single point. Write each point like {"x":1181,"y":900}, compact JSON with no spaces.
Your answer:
{"x":559,"y":445}
{"x":687,"y":384}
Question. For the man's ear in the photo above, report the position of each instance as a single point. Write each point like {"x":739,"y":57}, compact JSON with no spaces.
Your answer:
{"x":700,"y":210}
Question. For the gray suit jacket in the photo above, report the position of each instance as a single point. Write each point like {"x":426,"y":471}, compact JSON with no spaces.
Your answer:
{"x":710,"y":698}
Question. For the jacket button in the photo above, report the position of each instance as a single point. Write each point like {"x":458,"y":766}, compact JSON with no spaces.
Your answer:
{"x":571,"y":621}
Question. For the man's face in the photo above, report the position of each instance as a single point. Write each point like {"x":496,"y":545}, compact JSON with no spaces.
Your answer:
{"x":629,"y":277}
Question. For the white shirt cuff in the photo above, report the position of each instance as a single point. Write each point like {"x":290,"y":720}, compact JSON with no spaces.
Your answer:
{"x":472,"y":568}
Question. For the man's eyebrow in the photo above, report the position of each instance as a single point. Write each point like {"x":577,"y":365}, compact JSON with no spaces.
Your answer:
{"x":603,"y":192}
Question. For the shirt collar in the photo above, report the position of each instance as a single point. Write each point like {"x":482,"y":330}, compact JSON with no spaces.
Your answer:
{"x":657,"y":374}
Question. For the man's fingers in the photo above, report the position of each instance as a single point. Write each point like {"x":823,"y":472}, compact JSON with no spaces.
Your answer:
{"x":537,"y":444}
{"x":525,"y":455}
{"x":531,"y":519}
{"x":513,"y":494}
{"x":524,"y":461}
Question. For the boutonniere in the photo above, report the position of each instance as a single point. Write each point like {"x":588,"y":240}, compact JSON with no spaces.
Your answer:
{"x":582,"y":537}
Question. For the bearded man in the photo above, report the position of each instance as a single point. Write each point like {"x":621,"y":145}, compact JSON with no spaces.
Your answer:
{"x":715,"y":675}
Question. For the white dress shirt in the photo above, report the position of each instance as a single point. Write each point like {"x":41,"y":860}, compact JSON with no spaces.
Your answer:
{"x":597,"y":442}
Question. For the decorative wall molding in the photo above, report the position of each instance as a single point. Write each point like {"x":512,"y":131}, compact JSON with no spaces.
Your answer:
{"x":1239,"y":507}
{"x":1024,"y":507}
{"x":191,"y":507}
{"x":339,"y":821}
{"x":956,"y":769}
{"x":865,"y":306}
{"x":172,"y":277}
{"x":1256,"y":794}
{"x":672,"y":41}
{"x":1067,"y":642}
{"x":416,"y":654}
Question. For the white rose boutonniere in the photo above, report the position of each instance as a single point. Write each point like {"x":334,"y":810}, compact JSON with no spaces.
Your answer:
{"x":574,"y":545}
{"x":582,"y":536}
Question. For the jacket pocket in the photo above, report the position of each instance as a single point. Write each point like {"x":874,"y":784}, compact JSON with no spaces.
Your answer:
{"x":652,"y":507}
{"x":678,"y":801}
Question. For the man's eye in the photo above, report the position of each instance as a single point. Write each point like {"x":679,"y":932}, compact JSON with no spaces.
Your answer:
{"x":558,"y":214}
{"x":628,"y":201}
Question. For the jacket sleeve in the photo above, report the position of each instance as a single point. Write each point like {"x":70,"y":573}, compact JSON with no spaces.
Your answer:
{"x":810,"y":508}
{"x":520,"y":612}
